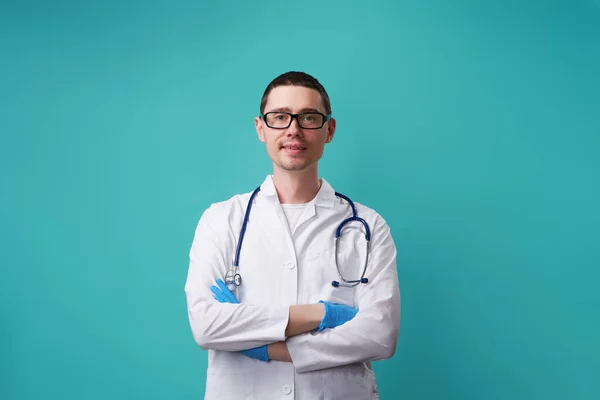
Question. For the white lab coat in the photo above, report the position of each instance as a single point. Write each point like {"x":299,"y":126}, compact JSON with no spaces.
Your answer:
{"x":280,"y":268}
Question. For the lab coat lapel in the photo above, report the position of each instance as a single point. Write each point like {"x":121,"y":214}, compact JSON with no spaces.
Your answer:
{"x":275,"y":224}
{"x":324,"y":198}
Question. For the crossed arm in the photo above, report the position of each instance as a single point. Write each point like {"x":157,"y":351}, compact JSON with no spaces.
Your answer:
{"x":291,"y":333}
{"x":302,"y":319}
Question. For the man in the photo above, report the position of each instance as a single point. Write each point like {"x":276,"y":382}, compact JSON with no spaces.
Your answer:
{"x":294,"y":326}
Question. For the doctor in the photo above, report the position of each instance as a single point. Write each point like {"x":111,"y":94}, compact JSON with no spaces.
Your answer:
{"x":287,"y":332}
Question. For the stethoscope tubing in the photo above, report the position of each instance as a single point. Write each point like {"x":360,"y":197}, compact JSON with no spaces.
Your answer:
{"x":236,"y":277}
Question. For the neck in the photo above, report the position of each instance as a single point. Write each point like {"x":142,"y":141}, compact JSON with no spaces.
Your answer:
{"x":296,"y":187}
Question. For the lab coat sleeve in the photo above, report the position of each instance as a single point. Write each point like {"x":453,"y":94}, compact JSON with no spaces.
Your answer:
{"x":224,"y":326}
{"x":373,"y":333}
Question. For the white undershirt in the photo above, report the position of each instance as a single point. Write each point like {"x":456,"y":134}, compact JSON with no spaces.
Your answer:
{"x":293,"y":213}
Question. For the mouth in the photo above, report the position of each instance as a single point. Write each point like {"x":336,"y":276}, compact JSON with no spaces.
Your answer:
{"x":293,"y":148}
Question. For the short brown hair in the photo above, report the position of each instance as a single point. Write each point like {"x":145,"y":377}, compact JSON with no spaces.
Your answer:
{"x":296,"y":78}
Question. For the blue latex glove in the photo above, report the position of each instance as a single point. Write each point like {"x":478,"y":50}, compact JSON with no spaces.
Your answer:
{"x":336,"y":315}
{"x":259,"y":353}
{"x":223,"y":295}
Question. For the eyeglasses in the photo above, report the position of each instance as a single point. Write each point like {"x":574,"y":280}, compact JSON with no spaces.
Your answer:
{"x":283,"y":120}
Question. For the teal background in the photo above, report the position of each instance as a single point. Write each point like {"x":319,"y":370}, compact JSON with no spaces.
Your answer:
{"x":471,"y":126}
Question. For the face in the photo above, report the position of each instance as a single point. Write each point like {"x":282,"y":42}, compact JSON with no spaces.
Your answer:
{"x":294,"y":148}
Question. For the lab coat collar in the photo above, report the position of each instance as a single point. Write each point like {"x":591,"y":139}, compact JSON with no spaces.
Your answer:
{"x":325,"y":196}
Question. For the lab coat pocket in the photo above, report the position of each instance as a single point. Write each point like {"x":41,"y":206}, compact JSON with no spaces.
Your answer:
{"x":352,"y":383}
{"x":230,"y":384}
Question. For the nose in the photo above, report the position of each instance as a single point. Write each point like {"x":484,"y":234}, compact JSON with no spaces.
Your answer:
{"x":294,"y":129}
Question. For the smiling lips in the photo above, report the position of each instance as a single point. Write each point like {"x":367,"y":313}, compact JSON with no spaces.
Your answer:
{"x":294,"y":147}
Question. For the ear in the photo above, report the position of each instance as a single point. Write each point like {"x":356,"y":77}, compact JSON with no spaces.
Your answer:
{"x":258,"y":124}
{"x":331,"y":126}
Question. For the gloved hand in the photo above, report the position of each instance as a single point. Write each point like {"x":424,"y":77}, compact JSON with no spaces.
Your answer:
{"x":223,"y":295}
{"x":336,"y":315}
{"x":259,"y":353}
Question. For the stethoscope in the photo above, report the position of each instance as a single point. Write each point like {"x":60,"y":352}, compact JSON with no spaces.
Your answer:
{"x":233,"y":278}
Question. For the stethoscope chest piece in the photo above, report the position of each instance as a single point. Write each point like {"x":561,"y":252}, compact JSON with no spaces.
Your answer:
{"x":232,"y":278}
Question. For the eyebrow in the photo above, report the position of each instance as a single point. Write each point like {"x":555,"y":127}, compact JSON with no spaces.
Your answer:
{"x":288,"y":110}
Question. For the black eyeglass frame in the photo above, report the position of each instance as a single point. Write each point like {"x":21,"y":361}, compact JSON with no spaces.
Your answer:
{"x":294,"y":116}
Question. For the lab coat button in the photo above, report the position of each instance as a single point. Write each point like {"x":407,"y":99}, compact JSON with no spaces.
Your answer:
{"x":286,"y":389}
{"x":290,"y":264}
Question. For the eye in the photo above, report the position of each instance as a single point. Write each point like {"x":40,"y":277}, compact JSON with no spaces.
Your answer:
{"x":277,"y":116}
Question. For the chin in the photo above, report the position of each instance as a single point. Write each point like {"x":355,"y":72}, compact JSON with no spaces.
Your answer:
{"x":294,"y":166}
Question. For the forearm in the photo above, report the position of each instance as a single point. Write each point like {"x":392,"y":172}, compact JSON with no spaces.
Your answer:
{"x":304,"y":318}
{"x":233,"y":327}
{"x":279,"y":352}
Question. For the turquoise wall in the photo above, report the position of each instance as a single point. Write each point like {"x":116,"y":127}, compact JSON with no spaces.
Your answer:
{"x":471,"y":126}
